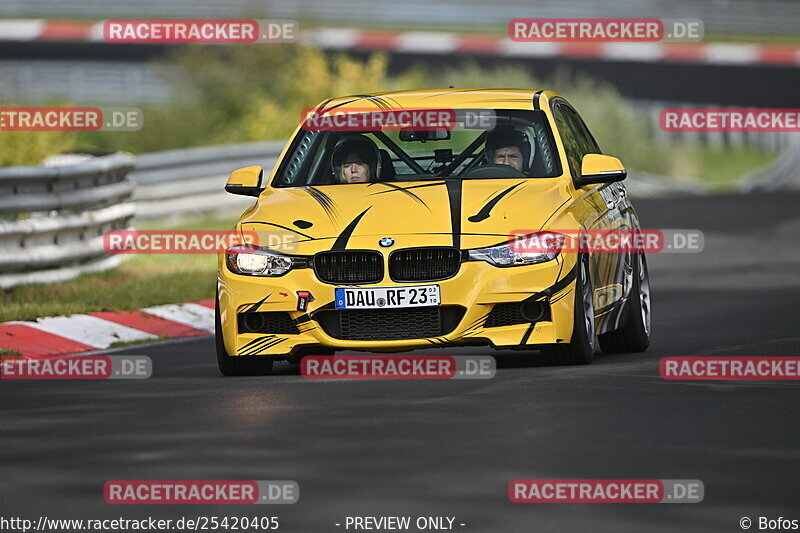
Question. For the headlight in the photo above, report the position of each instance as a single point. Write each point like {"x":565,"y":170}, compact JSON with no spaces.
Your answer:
{"x":254,"y":261}
{"x":523,"y":250}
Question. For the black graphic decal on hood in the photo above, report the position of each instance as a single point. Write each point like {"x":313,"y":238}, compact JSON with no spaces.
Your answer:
{"x":483,"y":214}
{"x":325,"y":201}
{"x":404,"y":191}
{"x":454,"y":196}
{"x":341,"y":240}
{"x":284,"y":227}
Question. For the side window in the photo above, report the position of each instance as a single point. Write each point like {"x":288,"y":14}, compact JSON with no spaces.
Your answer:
{"x":585,"y":139}
{"x":571,"y":145}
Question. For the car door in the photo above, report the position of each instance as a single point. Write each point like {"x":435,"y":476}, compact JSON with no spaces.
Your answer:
{"x":607,"y":268}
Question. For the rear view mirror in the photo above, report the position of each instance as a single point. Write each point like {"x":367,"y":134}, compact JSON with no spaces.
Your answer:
{"x":245,"y":181}
{"x":438,"y":134}
{"x":598,"y":168}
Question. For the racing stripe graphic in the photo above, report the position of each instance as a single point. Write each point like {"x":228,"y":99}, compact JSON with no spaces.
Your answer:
{"x":304,"y":328}
{"x":325,"y":201}
{"x":478,"y":322}
{"x":287,"y":229}
{"x":527,"y":333}
{"x":265,"y":344}
{"x":254,"y":342}
{"x":404,"y":191}
{"x":564,"y":295}
{"x":256,"y":305}
{"x":344,"y":236}
{"x":557,"y":211}
{"x":556,"y":287}
{"x":302,"y":224}
{"x":327,"y":306}
{"x":483,"y":214}
{"x":302,"y":319}
{"x":379,"y":101}
{"x":454,"y":197}
{"x":536,"y":96}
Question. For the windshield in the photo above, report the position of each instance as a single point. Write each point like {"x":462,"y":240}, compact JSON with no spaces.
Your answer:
{"x":519,"y":144}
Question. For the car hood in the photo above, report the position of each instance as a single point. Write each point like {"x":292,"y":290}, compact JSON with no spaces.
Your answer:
{"x":465,"y":214}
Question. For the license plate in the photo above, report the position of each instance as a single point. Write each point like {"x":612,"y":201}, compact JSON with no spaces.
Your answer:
{"x":386,"y":297}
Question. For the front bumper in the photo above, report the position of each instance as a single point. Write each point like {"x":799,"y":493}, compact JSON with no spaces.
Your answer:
{"x":477,"y":287}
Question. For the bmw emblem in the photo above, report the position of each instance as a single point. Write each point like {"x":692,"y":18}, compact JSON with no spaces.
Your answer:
{"x":386,"y":242}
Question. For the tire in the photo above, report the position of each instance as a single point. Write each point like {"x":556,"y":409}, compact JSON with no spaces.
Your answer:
{"x":236,"y":366}
{"x":634,"y":333}
{"x":580,"y":350}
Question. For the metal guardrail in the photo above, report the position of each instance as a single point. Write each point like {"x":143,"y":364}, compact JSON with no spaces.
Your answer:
{"x":782,"y":175}
{"x":193,"y":179}
{"x":52,"y":218}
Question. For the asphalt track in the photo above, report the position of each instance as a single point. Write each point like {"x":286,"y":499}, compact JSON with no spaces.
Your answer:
{"x":449,"y":448}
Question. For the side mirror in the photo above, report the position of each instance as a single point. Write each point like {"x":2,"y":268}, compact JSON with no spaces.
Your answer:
{"x":246,"y":181}
{"x":598,"y":168}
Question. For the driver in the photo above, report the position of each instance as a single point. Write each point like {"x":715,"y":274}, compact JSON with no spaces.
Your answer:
{"x":508,"y":147}
{"x":355,"y":159}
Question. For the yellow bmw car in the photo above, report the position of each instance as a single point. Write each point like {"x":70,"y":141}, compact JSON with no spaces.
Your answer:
{"x":391,"y":235}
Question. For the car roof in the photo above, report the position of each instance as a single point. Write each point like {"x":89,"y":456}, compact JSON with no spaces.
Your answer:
{"x":444,"y":98}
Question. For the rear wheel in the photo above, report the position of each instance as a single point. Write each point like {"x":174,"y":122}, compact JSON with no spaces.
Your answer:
{"x":236,"y":366}
{"x":634,"y":334}
{"x":580,"y":350}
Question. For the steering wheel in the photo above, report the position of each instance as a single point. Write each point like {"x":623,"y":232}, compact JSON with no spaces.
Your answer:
{"x":493,"y":170}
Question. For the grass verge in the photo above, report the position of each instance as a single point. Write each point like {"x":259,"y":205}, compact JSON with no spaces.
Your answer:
{"x":722,"y":168}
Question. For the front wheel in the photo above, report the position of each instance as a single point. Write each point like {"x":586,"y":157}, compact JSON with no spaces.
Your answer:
{"x":236,"y":366}
{"x":580,"y":350}
{"x":634,"y":334}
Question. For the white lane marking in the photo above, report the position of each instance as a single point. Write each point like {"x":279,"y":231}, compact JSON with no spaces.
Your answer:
{"x":96,"y":33}
{"x":332,"y":37}
{"x":421,"y":41}
{"x":530,"y":49}
{"x":731,"y":53}
{"x":89,"y":330}
{"x":21,"y":30}
{"x":633,"y":51}
{"x":193,"y":315}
